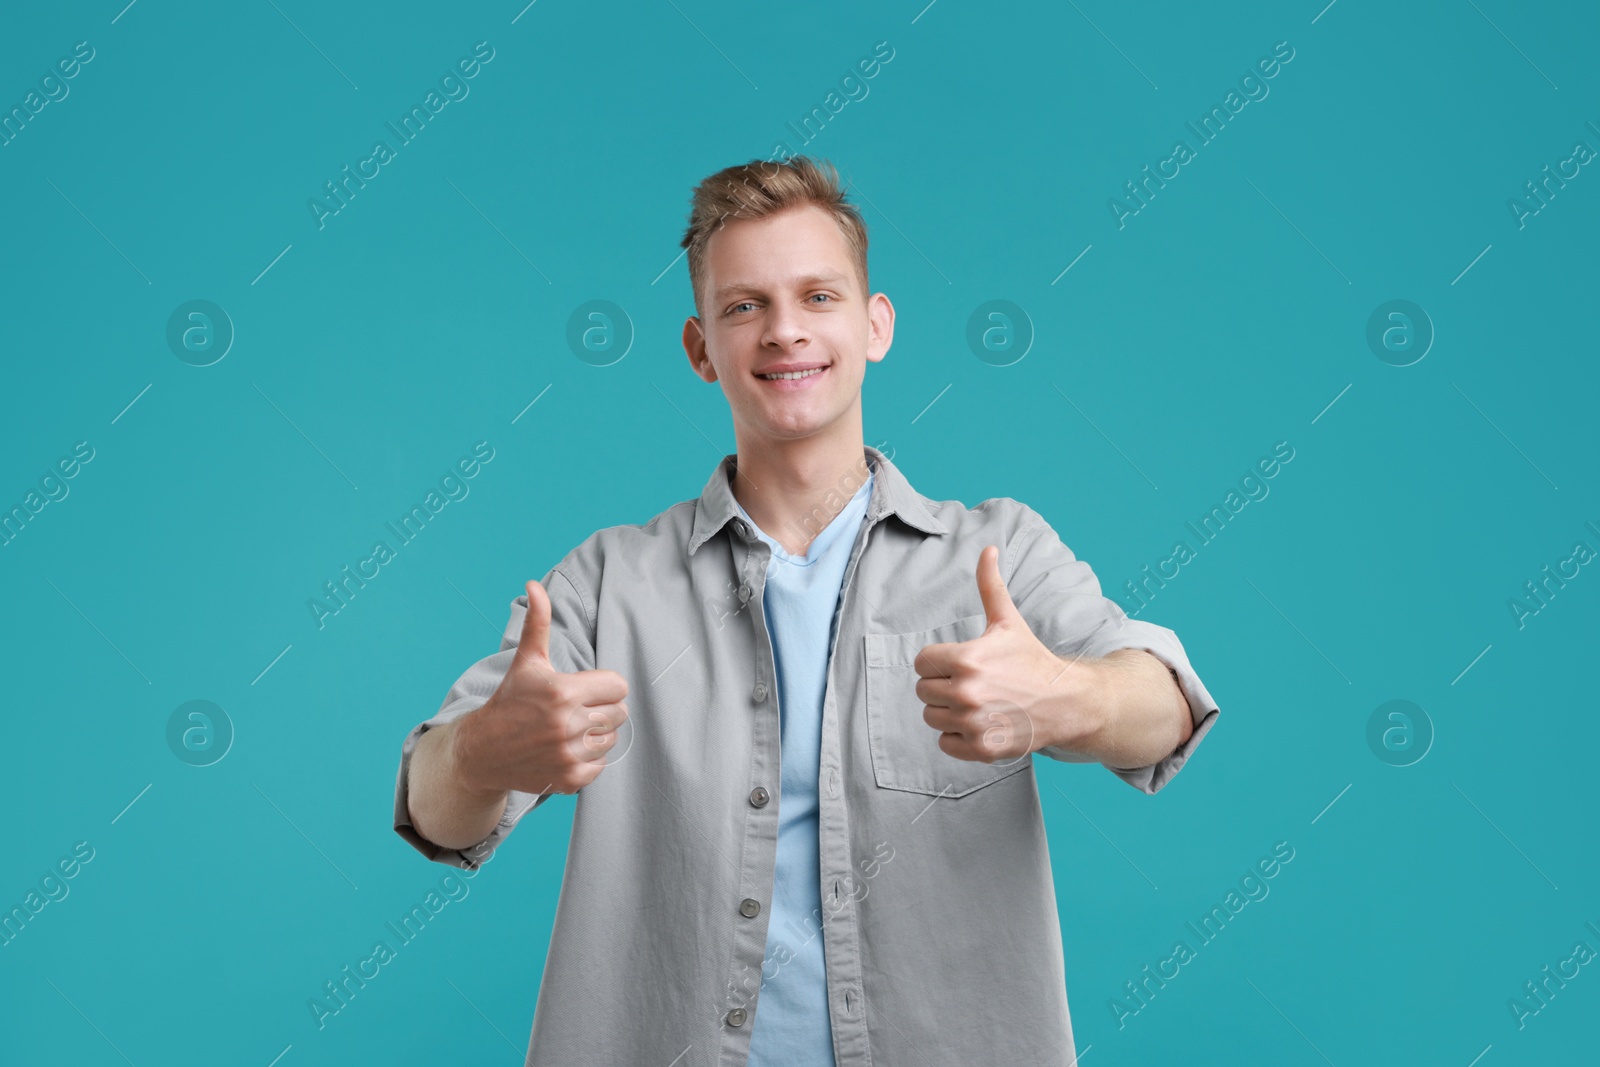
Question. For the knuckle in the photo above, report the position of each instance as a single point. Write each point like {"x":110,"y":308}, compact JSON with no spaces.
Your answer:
{"x":562,"y":691}
{"x":582,"y":775}
{"x":567,"y":765}
{"x":578,"y":721}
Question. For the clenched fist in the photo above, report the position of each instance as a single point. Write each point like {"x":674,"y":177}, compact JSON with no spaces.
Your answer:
{"x":542,"y":731}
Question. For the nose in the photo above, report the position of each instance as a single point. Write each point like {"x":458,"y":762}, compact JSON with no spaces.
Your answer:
{"x":785,"y":328}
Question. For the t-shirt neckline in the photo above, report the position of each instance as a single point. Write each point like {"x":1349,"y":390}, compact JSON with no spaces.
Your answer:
{"x":824,"y":538}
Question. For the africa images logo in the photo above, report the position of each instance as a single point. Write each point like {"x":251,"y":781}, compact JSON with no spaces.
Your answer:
{"x":1253,"y":84}
{"x":453,"y":87}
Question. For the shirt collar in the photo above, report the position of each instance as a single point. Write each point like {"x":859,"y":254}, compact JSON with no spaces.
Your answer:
{"x":891,"y":493}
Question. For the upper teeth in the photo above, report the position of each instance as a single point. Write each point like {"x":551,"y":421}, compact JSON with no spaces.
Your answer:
{"x":793,"y":374}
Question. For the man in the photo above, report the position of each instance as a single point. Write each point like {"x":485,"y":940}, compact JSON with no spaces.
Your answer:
{"x":799,"y":713}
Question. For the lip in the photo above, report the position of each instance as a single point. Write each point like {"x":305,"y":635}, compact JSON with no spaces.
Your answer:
{"x":789,"y":385}
{"x":790,"y":368}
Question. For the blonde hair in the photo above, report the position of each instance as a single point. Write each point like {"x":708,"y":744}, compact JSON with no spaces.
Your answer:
{"x":761,"y":188}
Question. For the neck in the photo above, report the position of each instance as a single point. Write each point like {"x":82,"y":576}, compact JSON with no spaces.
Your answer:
{"x":794,"y":489}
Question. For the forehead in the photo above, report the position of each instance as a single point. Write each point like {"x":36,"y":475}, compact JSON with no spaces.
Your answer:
{"x":799,"y":242}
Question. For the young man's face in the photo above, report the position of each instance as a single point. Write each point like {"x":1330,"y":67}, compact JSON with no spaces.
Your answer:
{"x":783,"y":291}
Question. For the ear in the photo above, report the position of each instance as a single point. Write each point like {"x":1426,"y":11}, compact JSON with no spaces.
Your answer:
{"x":880,"y":327}
{"x":694,"y":346}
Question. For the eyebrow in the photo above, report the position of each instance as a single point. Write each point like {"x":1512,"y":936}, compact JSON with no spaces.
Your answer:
{"x":724,"y":291}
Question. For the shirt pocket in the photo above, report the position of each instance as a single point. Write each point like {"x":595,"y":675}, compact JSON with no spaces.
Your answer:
{"x":905,"y":749}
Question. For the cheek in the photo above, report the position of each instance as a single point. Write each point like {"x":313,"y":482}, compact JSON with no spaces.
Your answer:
{"x":848,"y":373}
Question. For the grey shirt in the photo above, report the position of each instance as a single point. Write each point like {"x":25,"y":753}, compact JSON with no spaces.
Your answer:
{"x":940,"y":930}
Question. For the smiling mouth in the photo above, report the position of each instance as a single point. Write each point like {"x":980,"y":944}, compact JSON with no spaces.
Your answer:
{"x":791,"y":376}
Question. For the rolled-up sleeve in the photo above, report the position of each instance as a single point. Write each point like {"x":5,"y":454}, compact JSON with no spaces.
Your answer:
{"x":1059,"y":596}
{"x":571,"y":650}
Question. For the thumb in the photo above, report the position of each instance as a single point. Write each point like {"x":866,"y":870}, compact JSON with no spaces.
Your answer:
{"x":535,"y":642}
{"x":997,"y":605}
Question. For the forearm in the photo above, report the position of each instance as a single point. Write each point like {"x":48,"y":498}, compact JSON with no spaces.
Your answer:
{"x":1143,"y":714}
{"x":442,"y":809}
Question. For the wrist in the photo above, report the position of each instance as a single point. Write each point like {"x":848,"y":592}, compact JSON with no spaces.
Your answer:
{"x":1079,"y":707}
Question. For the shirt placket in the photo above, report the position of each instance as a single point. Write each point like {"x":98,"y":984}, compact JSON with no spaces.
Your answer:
{"x":841,"y":923}
{"x":749,"y":911}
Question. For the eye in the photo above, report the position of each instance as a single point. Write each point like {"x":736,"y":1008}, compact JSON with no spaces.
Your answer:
{"x":815,"y":295}
{"x":742,"y":303}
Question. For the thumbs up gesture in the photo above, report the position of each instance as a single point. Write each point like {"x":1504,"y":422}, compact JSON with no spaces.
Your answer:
{"x":542,"y":730}
{"x":1003,"y":694}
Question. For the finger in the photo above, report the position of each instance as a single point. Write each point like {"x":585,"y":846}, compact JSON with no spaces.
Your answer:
{"x":934,"y":661}
{"x":534,"y":644}
{"x":585,"y":772}
{"x":604,"y":717}
{"x":592,"y":769}
{"x":945,"y":720}
{"x":600,"y":687}
{"x":997,"y":604}
{"x":936,"y":691}
{"x":594,"y":744}
{"x":958,"y":746}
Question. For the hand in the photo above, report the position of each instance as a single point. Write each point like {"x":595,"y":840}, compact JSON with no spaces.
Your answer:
{"x":1003,"y":694}
{"x":542,"y":730}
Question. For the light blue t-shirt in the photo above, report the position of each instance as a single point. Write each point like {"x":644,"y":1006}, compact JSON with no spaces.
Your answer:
{"x":791,"y":1026}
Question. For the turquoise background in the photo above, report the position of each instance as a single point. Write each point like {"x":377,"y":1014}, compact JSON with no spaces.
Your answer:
{"x":1229,"y":314}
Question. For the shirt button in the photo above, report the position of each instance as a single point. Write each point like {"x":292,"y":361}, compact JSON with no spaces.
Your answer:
{"x":759,"y":692}
{"x":759,"y":797}
{"x":736,"y":1017}
{"x":749,"y":908}
{"x":744,"y":590}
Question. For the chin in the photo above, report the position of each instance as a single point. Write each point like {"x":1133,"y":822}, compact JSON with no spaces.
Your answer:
{"x":806,"y":426}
